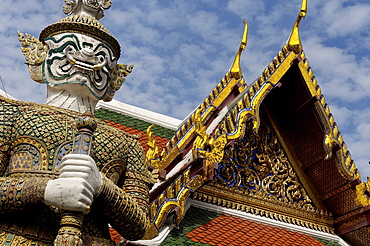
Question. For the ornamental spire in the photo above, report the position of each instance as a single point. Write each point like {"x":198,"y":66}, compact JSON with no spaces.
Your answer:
{"x":235,"y":70}
{"x":94,"y":8}
{"x":294,"y":41}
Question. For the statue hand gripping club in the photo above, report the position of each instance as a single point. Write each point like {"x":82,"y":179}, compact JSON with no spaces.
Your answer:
{"x":79,"y":181}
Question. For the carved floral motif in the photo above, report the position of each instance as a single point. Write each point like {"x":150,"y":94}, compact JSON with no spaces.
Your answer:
{"x":258,"y":165}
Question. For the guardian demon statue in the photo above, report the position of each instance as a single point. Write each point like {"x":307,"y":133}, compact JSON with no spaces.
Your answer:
{"x":47,"y":189}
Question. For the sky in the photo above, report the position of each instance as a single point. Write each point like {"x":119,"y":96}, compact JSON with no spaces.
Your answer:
{"x":181,"y":50}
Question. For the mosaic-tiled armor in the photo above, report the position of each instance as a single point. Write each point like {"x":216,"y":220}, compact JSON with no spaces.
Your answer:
{"x":33,"y":140}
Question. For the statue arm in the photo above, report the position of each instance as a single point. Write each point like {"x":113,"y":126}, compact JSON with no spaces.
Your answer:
{"x":126,"y":205}
{"x":21,"y":193}
{"x":15,"y":193}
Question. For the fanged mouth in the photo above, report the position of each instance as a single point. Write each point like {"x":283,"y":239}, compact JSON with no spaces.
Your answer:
{"x":86,"y":60}
{"x":87,"y":63}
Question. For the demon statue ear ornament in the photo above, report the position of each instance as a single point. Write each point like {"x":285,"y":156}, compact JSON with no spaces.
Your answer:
{"x":78,"y":49}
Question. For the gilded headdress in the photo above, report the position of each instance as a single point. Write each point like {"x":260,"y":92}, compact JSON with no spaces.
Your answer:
{"x":85,"y":20}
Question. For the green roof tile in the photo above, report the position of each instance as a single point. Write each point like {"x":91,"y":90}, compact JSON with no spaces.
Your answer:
{"x":104,"y":114}
{"x":327,"y":242}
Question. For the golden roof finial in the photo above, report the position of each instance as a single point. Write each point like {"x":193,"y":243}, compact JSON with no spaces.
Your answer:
{"x":235,"y":70}
{"x":294,"y":41}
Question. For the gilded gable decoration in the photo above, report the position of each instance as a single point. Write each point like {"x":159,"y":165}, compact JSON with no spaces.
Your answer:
{"x":258,"y":165}
{"x":256,"y":173}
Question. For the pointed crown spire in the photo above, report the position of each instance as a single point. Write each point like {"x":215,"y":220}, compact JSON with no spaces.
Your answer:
{"x":84,"y":16}
{"x":94,"y":8}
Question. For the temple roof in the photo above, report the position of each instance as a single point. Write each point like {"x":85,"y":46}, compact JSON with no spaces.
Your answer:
{"x":310,"y":179}
{"x":202,"y":227}
{"x":134,"y":127}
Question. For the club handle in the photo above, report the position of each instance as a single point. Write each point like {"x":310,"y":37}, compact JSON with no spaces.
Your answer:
{"x":69,"y":233}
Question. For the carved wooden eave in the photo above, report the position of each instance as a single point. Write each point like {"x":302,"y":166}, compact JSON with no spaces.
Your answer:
{"x":286,"y":98}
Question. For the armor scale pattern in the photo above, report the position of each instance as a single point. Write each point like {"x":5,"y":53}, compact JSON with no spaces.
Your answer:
{"x":33,"y":140}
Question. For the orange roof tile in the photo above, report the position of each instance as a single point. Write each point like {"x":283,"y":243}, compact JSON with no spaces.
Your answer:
{"x":115,"y":236}
{"x":161,"y":142}
{"x":229,"y":230}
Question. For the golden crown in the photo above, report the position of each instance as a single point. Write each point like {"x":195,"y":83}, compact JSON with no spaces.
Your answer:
{"x":84,"y":20}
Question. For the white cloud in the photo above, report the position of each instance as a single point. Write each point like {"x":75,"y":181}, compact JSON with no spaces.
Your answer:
{"x":342,"y":17}
{"x":251,"y":9}
{"x":342,"y":74}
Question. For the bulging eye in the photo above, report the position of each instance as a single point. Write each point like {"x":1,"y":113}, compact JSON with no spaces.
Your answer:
{"x":69,"y":49}
{"x":101,"y":58}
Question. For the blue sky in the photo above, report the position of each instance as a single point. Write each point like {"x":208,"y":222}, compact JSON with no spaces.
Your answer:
{"x":181,"y":50}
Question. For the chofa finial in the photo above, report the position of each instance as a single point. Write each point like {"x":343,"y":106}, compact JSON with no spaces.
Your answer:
{"x":94,"y":8}
{"x":294,"y":41}
{"x":235,"y":70}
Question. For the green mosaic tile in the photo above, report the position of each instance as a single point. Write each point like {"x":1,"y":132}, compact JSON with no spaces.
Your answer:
{"x":327,"y":242}
{"x":104,"y":114}
{"x":194,"y":218}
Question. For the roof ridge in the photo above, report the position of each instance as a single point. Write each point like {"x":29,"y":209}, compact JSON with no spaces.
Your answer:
{"x":135,"y":123}
{"x":140,"y":113}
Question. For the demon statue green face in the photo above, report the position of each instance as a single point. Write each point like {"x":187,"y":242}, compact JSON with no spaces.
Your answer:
{"x":77,"y":50}
{"x":80,"y":59}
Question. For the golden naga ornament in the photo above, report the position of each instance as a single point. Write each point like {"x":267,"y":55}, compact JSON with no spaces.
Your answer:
{"x":118,"y":77}
{"x":363,"y":193}
{"x":152,"y":145}
{"x":203,"y":140}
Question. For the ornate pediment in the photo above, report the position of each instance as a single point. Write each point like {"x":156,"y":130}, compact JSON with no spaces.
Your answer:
{"x":258,"y":166}
{"x":257,"y":176}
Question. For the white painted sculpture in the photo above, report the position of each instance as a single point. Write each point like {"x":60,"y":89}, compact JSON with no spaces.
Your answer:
{"x":76,"y":71}
{"x":78,"y":182}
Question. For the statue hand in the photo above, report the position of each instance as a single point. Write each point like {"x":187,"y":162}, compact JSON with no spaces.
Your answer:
{"x":77,"y":184}
{"x":74,"y":194}
{"x":81,"y":166}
